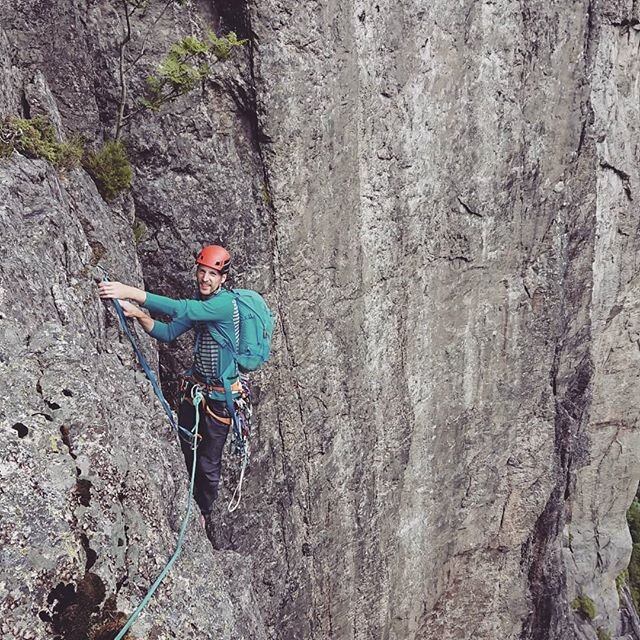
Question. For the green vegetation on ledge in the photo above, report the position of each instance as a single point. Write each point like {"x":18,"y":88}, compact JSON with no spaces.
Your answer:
{"x":633,"y":582}
{"x":36,"y":138}
{"x":222,"y":47}
{"x":185,"y":66}
{"x":584,"y":605}
{"x":183,"y":69}
{"x":110,"y":168}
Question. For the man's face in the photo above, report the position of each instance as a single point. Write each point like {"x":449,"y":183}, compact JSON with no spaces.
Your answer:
{"x":209,"y":280}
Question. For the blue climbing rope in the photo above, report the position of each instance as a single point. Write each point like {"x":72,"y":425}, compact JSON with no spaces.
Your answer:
{"x":196,"y":398}
{"x":183,"y":433}
{"x":190,"y":436}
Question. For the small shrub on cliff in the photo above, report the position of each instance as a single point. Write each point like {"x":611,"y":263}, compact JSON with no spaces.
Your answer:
{"x":633,"y":519}
{"x":584,"y":605}
{"x":603,"y":634}
{"x":110,"y":168}
{"x":222,"y":47}
{"x":184,"y":68}
{"x":179,"y":73}
{"x":36,"y":138}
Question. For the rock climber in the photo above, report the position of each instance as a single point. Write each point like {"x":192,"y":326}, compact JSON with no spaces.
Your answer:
{"x":215,"y":310}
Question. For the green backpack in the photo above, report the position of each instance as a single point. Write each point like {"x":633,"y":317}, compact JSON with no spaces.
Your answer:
{"x":254,"y":345}
{"x":256,"y":329}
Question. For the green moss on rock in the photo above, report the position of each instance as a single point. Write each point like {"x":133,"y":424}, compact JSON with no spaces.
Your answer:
{"x":584,"y":605}
{"x":110,"y":168}
{"x":36,"y":138}
{"x":621,"y":580}
{"x":139,"y":231}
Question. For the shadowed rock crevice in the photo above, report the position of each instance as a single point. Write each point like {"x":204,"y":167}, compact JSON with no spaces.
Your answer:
{"x":83,"y":491}
{"x":542,"y":554}
{"x":234,"y":16}
{"x":75,"y":606}
{"x":77,"y":614}
{"x":92,"y":556}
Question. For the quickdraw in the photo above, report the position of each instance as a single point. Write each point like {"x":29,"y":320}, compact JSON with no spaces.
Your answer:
{"x":240,"y":444}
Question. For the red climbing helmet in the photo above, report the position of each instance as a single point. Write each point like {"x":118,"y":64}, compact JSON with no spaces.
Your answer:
{"x":216,"y":257}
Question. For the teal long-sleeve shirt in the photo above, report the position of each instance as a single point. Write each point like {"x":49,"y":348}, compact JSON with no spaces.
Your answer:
{"x":218,"y":313}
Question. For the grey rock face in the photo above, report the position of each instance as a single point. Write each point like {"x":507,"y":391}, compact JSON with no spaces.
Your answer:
{"x":438,"y":202}
{"x":467,"y":151}
{"x":93,"y":487}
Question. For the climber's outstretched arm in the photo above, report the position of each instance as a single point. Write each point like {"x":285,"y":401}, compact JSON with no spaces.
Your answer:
{"x":158,"y":330}
{"x":110,"y":289}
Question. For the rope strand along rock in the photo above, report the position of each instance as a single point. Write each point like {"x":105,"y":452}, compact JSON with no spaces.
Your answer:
{"x":196,"y":398}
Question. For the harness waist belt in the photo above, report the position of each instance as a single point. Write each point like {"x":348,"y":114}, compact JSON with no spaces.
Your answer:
{"x":236,"y":387}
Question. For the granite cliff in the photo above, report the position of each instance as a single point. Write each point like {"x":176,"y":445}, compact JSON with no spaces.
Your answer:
{"x":438,"y":200}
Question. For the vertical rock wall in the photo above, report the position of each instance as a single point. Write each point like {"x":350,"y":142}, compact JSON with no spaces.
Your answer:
{"x":438,"y":177}
{"x":438,"y":201}
{"x":599,"y":542}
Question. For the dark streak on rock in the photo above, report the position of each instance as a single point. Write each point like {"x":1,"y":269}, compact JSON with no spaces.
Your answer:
{"x":66,"y":439}
{"x":83,"y":491}
{"x":615,"y":310}
{"x":468,"y":209}
{"x":46,"y":416}
{"x":92,"y":556}
{"x":623,"y":175}
{"x":546,"y":581}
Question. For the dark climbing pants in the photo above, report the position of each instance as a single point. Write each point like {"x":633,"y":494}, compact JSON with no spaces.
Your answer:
{"x":209,"y":451}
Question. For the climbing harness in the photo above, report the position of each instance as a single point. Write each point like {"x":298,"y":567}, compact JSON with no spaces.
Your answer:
{"x":240,"y":423}
{"x":243,"y":411}
{"x":196,"y":398}
{"x":188,"y":377}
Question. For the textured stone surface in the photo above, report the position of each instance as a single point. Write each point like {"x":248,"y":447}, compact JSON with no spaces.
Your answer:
{"x":454,"y":233}
{"x":438,"y":201}
{"x":93,"y":490}
{"x":599,"y":540}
